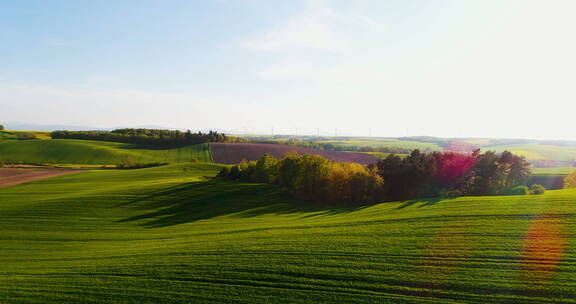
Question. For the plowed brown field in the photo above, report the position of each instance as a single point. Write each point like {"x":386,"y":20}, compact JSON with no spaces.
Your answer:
{"x":14,"y":176}
{"x":229,"y":153}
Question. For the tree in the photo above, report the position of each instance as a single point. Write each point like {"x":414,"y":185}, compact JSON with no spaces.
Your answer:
{"x":1,"y":127}
{"x":570,"y":180}
{"x":265,"y":170}
{"x":409,"y":177}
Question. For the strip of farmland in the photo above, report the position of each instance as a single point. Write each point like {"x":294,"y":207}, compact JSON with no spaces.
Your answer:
{"x":13,"y":176}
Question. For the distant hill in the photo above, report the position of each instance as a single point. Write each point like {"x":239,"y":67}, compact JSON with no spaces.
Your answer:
{"x":72,"y":151}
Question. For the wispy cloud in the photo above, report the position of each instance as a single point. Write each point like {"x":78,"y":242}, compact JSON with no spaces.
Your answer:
{"x":300,"y":39}
{"x":312,"y":29}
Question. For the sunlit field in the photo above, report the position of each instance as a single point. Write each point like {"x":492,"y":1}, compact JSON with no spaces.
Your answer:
{"x":172,"y":235}
{"x":273,"y":151}
{"x":71,"y":151}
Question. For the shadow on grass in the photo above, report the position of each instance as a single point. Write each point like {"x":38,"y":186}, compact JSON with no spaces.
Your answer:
{"x":207,"y":199}
{"x":425,"y":202}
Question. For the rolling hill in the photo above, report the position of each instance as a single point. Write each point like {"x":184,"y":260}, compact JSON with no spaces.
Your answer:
{"x":170,"y":235}
{"x":72,"y":151}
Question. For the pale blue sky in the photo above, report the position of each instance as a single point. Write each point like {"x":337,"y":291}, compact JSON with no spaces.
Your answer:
{"x":500,"y":68}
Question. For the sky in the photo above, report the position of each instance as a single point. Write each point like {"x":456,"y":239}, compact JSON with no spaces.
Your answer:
{"x":447,"y":68}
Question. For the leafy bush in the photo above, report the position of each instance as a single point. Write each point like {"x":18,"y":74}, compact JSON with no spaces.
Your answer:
{"x":518,"y":190}
{"x":25,"y":136}
{"x":537,"y":189}
{"x":128,"y":164}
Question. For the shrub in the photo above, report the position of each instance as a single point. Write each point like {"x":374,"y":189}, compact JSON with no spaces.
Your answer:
{"x":518,"y":190}
{"x":127,"y":164}
{"x":537,"y":189}
{"x":25,"y":136}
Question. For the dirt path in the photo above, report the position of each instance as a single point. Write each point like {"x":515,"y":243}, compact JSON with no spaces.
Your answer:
{"x":13,"y":176}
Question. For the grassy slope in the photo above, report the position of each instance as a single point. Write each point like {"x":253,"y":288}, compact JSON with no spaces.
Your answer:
{"x":71,"y":151}
{"x":165,"y":235}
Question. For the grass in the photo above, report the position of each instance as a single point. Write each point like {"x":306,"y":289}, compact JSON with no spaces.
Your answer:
{"x":553,"y":171}
{"x":72,"y":151}
{"x":169,"y":235}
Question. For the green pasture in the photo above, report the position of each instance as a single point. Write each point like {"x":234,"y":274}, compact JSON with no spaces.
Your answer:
{"x":537,"y":151}
{"x":553,"y":171}
{"x":171,"y":235}
{"x":74,"y":151}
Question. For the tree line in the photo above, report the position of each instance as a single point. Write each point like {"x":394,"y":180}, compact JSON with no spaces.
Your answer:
{"x":435,"y":174}
{"x":154,"y":137}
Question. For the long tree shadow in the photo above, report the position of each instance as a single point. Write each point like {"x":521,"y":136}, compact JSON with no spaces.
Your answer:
{"x":207,"y":199}
{"x":424,"y":202}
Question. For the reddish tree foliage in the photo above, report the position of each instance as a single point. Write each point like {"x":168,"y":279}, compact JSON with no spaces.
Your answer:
{"x":452,"y":166}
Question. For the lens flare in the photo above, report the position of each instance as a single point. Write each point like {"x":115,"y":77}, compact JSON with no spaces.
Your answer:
{"x":544,"y":246}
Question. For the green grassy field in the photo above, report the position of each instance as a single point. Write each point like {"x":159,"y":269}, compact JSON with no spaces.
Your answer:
{"x":537,"y":151}
{"x":72,"y":151}
{"x":553,"y":171}
{"x":169,"y":235}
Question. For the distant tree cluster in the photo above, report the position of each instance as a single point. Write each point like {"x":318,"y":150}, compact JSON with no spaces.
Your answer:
{"x":315,"y":178}
{"x":312,"y":177}
{"x":452,"y":174}
{"x":154,"y":137}
{"x":1,"y":127}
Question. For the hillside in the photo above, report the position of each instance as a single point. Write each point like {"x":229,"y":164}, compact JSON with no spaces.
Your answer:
{"x":72,"y":151}
{"x":168,"y":235}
